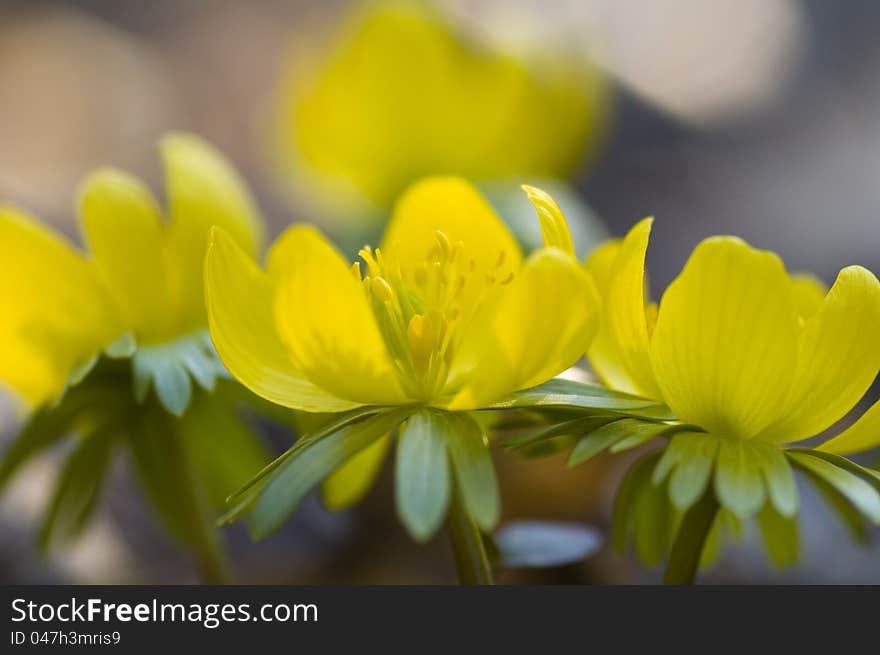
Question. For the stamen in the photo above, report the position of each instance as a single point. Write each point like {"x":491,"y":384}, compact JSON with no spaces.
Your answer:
{"x":382,"y":290}
{"x":420,"y":334}
{"x":356,"y":271}
{"x":443,"y":242}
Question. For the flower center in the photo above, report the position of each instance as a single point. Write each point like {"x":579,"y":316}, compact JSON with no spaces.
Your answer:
{"x":421,"y":316}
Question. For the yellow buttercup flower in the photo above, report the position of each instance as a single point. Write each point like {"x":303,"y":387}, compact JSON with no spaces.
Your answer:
{"x":750,"y":359}
{"x":737,"y":346}
{"x":447,"y":316}
{"x":447,"y":313}
{"x":139,"y":285}
{"x":400,"y":93}
{"x":738,"y":363}
{"x":85,"y":336}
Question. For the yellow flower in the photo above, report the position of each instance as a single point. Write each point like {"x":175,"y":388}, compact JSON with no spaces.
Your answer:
{"x":400,"y":94}
{"x":140,"y":284}
{"x":747,"y":355}
{"x":447,"y":313}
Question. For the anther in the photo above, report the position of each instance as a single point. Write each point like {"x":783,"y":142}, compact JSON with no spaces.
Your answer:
{"x":382,"y":290}
{"x":443,"y":242}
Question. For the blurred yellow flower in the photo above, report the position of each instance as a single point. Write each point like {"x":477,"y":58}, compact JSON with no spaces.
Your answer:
{"x":447,"y":313}
{"x":400,"y":94}
{"x":749,"y":355}
{"x":140,"y":283}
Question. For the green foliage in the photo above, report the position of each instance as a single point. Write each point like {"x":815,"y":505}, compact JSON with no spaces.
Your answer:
{"x":170,"y":367}
{"x":77,"y":488}
{"x":186,"y":465}
{"x":291,"y":480}
{"x":561,"y":393}
{"x":474,"y":470}
{"x":422,"y":476}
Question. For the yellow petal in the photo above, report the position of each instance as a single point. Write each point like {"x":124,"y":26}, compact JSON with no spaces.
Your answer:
{"x":540,"y":325}
{"x":838,"y":357}
{"x":351,"y":481}
{"x":864,"y":434}
{"x":454,"y":207}
{"x":123,"y":228}
{"x":554,"y":227}
{"x":240,"y":300}
{"x":809,"y":292}
{"x":55,"y":313}
{"x":203,"y":190}
{"x":604,"y":356}
{"x":625,"y":305}
{"x":323,"y":317}
{"x":725,"y":344}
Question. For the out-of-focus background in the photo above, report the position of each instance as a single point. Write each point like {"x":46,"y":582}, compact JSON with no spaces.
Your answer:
{"x":754,"y":117}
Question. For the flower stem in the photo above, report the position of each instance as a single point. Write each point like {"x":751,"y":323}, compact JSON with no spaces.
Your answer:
{"x":684,"y":559}
{"x":467,"y":545}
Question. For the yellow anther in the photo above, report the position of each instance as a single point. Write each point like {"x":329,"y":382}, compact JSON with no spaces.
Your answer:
{"x":382,"y":290}
{"x":366,"y":253}
{"x":356,"y":271}
{"x":420,"y":334}
{"x":443,"y":242}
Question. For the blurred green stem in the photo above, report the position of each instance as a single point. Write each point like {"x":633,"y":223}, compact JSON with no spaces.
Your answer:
{"x":467,"y":545}
{"x":201,"y":533}
{"x":684,"y":559}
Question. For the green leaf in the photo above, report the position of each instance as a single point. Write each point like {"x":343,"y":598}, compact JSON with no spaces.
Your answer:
{"x":223,"y":450}
{"x":199,"y":358}
{"x":547,"y":447}
{"x":474,"y":470}
{"x":568,"y":393}
{"x":422,"y":474}
{"x":611,"y":434}
{"x":640,"y":432}
{"x":655,"y":525}
{"x":577,"y":427}
{"x":299,"y":473}
{"x":169,"y":480}
{"x":540,"y":544}
{"x":870,"y":476}
{"x":629,"y":492}
{"x":52,"y":422}
{"x":123,"y":348}
{"x":777,"y":472}
{"x":780,"y":535}
{"x":739,"y":485}
{"x":77,"y":489}
{"x":173,"y":387}
{"x":851,"y":517}
{"x":326,"y":429}
{"x":695,"y":455}
{"x":79,"y":373}
{"x":857,"y":491}
{"x":168,"y":367}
